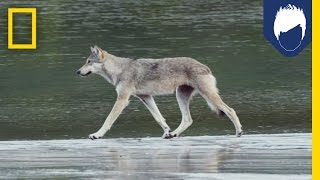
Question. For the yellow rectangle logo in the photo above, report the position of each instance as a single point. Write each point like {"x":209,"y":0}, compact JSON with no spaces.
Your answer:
{"x":33,"y":12}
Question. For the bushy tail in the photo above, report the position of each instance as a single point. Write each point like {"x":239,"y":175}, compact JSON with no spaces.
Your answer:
{"x":221,"y":114}
{"x":215,"y":109}
{"x":209,"y":88}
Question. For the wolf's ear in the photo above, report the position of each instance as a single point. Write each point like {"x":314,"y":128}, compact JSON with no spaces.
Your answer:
{"x":97,"y":47}
{"x":96,"y":50}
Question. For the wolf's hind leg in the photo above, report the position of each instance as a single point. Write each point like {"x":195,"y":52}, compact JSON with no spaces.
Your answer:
{"x":184,"y":94}
{"x":207,"y":89}
{"x":231,"y":113}
{"x":149,"y":102}
{"x":216,"y":100}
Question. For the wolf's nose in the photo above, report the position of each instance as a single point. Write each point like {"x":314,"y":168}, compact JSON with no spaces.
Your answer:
{"x":78,"y":72}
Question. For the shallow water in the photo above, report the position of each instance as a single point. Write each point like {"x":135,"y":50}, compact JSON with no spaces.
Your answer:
{"x":263,"y":157}
{"x":41,"y":97}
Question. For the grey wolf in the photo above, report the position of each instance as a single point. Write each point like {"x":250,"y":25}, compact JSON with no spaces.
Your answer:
{"x":145,"y":78}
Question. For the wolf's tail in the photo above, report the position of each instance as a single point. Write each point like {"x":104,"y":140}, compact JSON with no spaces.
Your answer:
{"x":221,"y":113}
{"x":211,"y":89}
{"x":215,"y":109}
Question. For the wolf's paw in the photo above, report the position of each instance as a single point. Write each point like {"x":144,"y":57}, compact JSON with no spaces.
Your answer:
{"x":95,"y":136}
{"x":239,"y":134}
{"x":169,"y":135}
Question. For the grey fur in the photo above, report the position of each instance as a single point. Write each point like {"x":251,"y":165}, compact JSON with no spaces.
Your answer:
{"x":146,"y":77}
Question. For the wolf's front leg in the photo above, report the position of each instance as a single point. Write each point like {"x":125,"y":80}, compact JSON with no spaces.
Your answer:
{"x":121,"y":103}
{"x":149,"y":102}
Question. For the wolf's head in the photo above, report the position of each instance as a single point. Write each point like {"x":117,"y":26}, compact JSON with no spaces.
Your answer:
{"x":93,"y":63}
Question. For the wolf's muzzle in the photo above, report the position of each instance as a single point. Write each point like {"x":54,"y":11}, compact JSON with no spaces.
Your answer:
{"x":79,"y":72}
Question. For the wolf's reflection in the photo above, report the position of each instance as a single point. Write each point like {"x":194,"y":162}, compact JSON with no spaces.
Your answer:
{"x":166,"y":162}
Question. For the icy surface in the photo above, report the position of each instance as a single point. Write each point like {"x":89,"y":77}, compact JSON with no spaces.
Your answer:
{"x":264,"y":156}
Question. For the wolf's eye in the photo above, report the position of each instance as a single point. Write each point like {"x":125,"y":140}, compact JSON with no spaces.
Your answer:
{"x":89,"y":61}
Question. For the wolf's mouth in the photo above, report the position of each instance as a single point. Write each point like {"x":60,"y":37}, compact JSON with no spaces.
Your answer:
{"x":86,"y":74}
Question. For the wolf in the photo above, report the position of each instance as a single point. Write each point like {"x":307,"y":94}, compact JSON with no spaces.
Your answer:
{"x":146,"y":77}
